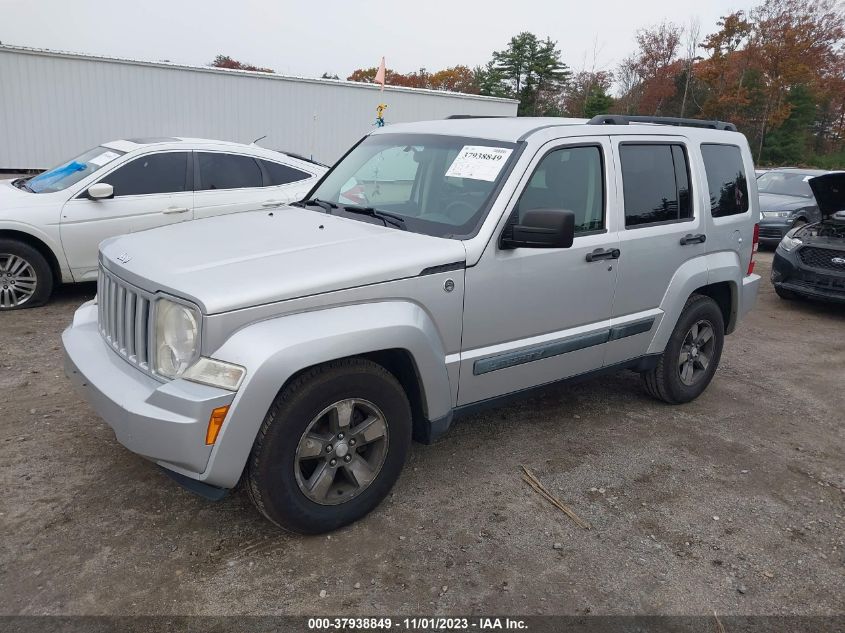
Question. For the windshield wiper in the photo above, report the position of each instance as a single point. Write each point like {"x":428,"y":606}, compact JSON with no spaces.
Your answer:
{"x":20,"y":183}
{"x":316,"y":202}
{"x":388,"y":218}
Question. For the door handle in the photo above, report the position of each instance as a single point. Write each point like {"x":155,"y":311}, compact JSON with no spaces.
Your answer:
{"x":599,"y":254}
{"x":689,"y":238}
{"x":271,"y":203}
{"x":172,"y":210}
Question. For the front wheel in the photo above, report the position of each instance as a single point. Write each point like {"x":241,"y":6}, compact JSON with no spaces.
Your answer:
{"x":331,"y":447}
{"x":691,"y":355}
{"x":26,"y":280}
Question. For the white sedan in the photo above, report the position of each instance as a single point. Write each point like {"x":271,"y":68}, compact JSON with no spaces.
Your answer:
{"x":52,"y":224}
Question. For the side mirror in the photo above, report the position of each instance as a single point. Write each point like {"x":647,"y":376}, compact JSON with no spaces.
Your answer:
{"x":100,"y":191}
{"x":542,"y":228}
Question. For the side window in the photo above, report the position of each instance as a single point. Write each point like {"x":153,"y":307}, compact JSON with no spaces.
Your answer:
{"x":278,"y":174}
{"x":573,"y":179}
{"x":726,"y":179}
{"x":155,"y":173}
{"x":227,"y":171}
{"x":656,"y":183}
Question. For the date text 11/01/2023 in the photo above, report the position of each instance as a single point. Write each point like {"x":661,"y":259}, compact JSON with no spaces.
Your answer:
{"x":417,"y":624}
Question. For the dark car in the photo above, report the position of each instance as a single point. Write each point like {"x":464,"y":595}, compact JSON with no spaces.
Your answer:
{"x":810,"y":260}
{"x":786,"y":202}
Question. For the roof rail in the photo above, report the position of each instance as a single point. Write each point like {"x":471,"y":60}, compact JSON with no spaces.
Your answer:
{"x":477,"y":116}
{"x":624,"y":119}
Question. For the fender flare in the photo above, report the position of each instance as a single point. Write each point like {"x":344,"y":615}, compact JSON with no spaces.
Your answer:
{"x":693,"y":274}
{"x":276,"y":349}
{"x":54,"y":246}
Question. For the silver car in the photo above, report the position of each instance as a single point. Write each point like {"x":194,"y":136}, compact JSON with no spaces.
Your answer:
{"x":438,"y":267}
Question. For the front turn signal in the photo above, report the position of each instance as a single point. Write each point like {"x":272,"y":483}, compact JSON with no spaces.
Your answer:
{"x":215,"y":423}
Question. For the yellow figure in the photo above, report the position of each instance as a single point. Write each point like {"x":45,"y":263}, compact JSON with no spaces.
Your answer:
{"x":380,"y":114}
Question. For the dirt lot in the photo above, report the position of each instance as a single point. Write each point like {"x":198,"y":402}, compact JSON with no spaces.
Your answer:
{"x":734,"y":503}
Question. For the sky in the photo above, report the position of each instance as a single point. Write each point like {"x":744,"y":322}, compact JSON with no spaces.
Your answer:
{"x":307,"y":38}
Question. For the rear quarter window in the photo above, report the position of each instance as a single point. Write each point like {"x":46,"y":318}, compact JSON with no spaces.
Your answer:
{"x":725,"y":179}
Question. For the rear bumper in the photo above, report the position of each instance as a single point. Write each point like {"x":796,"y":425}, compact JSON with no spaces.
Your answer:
{"x":164,"y":422}
{"x":749,"y":290}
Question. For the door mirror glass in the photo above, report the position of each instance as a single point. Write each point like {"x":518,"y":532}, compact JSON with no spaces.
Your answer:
{"x":100,"y":191}
{"x":542,"y":228}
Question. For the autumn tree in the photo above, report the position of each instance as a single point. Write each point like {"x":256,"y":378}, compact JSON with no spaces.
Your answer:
{"x":648,"y":75}
{"x":224,"y":61}
{"x":588,"y":94}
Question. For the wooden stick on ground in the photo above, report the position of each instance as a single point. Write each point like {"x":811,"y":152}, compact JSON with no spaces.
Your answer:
{"x":529,"y":478}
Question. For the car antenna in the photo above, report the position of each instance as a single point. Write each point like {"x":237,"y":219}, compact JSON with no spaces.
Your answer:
{"x":260,"y":138}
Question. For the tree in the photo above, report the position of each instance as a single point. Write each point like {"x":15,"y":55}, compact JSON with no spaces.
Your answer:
{"x":587,"y":94}
{"x":648,"y":76}
{"x":224,"y":61}
{"x":533,"y":71}
{"x":598,"y":102}
{"x":490,"y":81}
{"x":454,"y":79}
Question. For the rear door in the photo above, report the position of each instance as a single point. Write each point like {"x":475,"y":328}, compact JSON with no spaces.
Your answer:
{"x":227,"y":183}
{"x":151,"y":190}
{"x":662,"y":228}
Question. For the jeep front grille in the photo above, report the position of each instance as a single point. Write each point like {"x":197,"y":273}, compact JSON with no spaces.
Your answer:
{"x":124,"y":318}
{"x":816,"y":257}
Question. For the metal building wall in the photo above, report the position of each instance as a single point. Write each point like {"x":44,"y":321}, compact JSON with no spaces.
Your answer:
{"x":54,"y":105}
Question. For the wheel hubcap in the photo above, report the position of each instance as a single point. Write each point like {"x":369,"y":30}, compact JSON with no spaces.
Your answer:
{"x":696,"y":352}
{"x":341,"y":451}
{"x":17,"y":280}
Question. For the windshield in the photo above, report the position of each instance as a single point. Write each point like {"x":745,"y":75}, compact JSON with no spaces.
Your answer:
{"x":70,"y":172}
{"x":437,"y":185}
{"x":785,"y":183}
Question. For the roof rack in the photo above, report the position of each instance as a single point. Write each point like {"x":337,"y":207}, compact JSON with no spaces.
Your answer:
{"x":624,"y":119}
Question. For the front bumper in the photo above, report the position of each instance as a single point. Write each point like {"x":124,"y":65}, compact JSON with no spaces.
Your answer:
{"x":789,"y":273}
{"x":773,"y":230}
{"x":165,"y":422}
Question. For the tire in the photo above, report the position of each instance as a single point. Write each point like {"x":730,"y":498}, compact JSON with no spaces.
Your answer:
{"x":22,"y":266}
{"x":785,"y":294}
{"x":667,"y":381}
{"x":278,"y":478}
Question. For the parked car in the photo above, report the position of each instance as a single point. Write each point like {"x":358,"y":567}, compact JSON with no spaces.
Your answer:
{"x":786,"y":202}
{"x":810,"y":260}
{"x":302,"y":350}
{"x":52,"y":223}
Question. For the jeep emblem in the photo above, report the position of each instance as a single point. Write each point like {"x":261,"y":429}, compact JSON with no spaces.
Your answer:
{"x":123,"y":258}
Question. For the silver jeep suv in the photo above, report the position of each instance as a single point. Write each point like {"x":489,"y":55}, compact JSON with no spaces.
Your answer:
{"x":437,"y":267}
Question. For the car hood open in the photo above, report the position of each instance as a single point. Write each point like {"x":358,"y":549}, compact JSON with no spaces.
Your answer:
{"x":242,"y":260}
{"x":829,"y":191}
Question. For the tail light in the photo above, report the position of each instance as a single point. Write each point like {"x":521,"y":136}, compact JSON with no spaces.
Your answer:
{"x":755,"y":244}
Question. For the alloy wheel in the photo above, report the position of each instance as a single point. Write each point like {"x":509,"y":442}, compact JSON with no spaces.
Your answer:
{"x":696,"y":352}
{"x":17,"y":280}
{"x":341,"y":451}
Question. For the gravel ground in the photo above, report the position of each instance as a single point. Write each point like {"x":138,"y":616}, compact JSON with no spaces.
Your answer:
{"x":734,"y":503}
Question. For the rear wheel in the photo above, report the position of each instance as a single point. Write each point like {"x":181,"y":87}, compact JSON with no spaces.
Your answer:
{"x":26,"y":280}
{"x":331,"y":447}
{"x":691,"y":355}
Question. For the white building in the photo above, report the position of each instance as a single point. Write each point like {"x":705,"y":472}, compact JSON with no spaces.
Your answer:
{"x":54,"y":105}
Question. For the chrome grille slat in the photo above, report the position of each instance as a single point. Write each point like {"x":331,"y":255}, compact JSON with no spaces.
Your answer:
{"x":123,"y":318}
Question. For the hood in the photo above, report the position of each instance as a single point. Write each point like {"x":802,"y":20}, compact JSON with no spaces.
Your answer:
{"x":242,"y":260}
{"x":829,"y":191}
{"x":781,"y":202}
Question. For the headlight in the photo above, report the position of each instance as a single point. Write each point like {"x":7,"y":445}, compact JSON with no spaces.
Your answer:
{"x":176,"y":336}
{"x":776,"y":214}
{"x":216,"y":373}
{"x":788,"y":242}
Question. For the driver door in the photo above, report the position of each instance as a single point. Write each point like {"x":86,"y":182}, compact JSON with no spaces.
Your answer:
{"x":149,"y":191}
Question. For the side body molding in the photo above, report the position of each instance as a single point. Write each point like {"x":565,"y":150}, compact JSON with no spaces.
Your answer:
{"x":276,"y":349}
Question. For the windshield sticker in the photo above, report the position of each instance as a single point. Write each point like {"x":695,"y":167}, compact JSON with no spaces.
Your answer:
{"x":479,"y":162}
{"x":102,"y":159}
